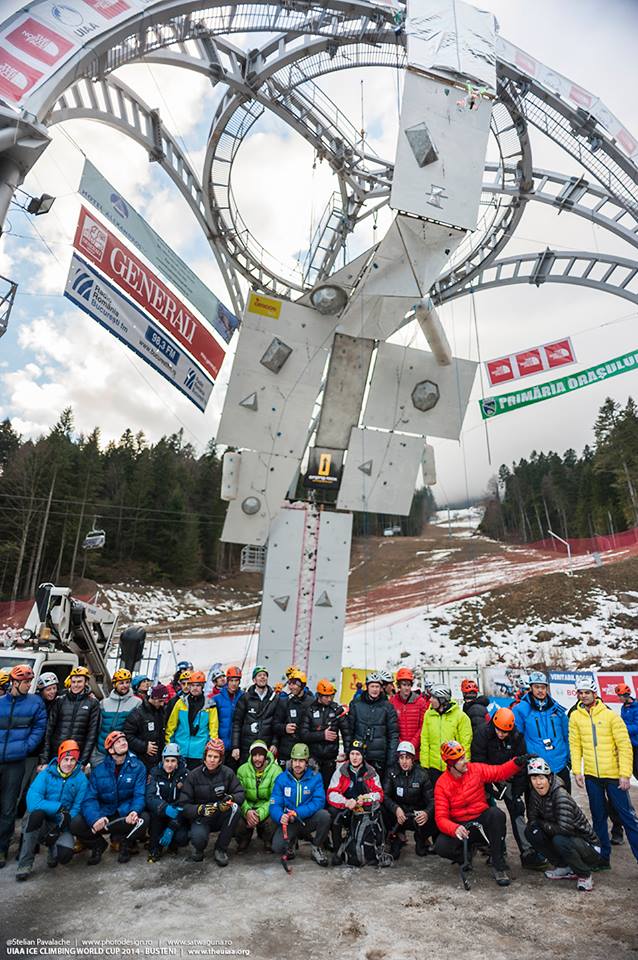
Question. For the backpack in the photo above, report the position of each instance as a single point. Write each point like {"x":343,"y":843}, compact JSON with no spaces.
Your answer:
{"x":365,"y":841}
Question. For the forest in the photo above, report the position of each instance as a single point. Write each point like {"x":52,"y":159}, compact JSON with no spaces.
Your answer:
{"x":590,"y":495}
{"x":158,"y":503}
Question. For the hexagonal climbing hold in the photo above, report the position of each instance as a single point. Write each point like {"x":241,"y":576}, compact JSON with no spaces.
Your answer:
{"x":425,"y":395}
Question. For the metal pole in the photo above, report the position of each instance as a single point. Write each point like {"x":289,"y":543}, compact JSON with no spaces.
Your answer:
{"x":170,"y":640}
{"x":10,"y":179}
{"x":570,"y":572}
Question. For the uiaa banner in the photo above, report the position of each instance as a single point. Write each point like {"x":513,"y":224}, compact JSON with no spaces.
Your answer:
{"x":104,"y":303}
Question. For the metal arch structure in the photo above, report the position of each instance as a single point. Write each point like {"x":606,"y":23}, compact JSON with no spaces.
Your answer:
{"x":306,"y":41}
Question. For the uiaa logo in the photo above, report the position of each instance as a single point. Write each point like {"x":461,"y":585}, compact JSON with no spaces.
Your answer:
{"x":189,"y":381}
{"x":83,"y":285}
{"x":67,"y":15}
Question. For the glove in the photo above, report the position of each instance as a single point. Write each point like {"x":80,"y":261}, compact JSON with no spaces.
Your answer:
{"x":524,"y":759}
{"x":172,"y":812}
{"x":167,"y":837}
{"x":206,"y":809}
{"x":64,"y":819}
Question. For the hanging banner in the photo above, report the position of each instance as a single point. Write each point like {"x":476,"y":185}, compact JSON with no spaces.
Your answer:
{"x":106,"y":304}
{"x":506,"y":402}
{"x":112,"y":205}
{"x":527,"y":362}
{"x":107,"y":252}
{"x":324,"y":469}
{"x":350,"y":678}
{"x":562,"y":685}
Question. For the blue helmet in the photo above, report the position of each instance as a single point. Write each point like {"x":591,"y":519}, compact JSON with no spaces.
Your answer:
{"x":183,"y":665}
{"x":537,"y":677}
{"x":135,"y":682}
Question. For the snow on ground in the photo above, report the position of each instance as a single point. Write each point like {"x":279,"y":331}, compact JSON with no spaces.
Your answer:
{"x":146,"y":605}
{"x":467,"y":517}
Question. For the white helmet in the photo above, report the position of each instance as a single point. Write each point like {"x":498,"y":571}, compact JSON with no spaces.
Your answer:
{"x":406,"y":747}
{"x":538,"y":766}
{"x":441,"y":692}
{"x":386,"y":676}
{"x":374,"y":677}
{"x":586,"y":683}
{"x":46,"y":680}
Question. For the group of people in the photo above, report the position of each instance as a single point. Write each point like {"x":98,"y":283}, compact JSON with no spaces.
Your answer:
{"x":174,"y":764}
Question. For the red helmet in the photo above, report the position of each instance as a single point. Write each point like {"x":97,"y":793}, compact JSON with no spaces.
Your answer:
{"x":216,"y":745}
{"x":233,"y":672}
{"x":404,"y":673}
{"x":469,"y":686}
{"x":112,"y":738}
{"x":69,"y":746}
{"x":504,"y":719}
{"x":451,"y":752}
{"x":622,"y":690}
{"x":21,"y":671}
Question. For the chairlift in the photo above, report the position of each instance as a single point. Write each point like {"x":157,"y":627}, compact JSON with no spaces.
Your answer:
{"x":94,"y":540}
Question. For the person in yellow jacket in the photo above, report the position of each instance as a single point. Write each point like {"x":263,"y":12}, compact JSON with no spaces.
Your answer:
{"x":602,"y":761}
{"x":193,"y":722}
{"x":443,"y":721}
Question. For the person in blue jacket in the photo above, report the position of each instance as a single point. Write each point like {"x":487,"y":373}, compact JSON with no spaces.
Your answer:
{"x":545,"y":726}
{"x":629,"y":713}
{"x":114,"y":801}
{"x":226,"y":700}
{"x":297,"y":804}
{"x":53,"y":799}
{"x":23,"y":723}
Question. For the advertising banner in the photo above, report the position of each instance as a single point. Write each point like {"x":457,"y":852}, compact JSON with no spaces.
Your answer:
{"x":112,"y":205}
{"x":324,"y":469}
{"x":138,"y":281}
{"x":106,"y":304}
{"x":533,"y":360}
{"x":607,"y":683}
{"x":501,"y":683}
{"x":506,"y":402}
{"x":562,"y":685}
{"x":350,"y":677}
{"x":40,"y":37}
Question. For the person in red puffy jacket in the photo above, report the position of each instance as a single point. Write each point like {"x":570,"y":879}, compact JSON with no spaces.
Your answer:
{"x":410,"y":708}
{"x":462,"y":812}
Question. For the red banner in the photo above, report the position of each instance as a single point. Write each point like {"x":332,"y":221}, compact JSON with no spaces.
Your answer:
{"x":609,"y":681}
{"x":16,"y":77}
{"x":141,"y":284}
{"x":40,"y":42}
{"x":528,"y":362}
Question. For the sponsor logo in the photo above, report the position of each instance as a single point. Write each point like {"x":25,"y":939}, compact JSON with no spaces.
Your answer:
{"x":559,"y":353}
{"x":189,"y":380}
{"x":16,"y":78}
{"x":69,"y":16}
{"x":93,"y":239}
{"x":83,"y":285}
{"x":39,"y":42}
{"x":488,"y":407}
{"x":264,"y":306}
{"x":500,"y":370}
{"x":530,"y":361}
{"x":119,"y":204}
{"x":109,"y":8}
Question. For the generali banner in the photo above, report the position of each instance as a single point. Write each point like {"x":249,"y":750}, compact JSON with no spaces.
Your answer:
{"x":525,"y":363}
{"x":99,"y":245}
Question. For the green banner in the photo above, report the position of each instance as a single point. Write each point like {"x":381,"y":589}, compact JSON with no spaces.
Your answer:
{"x":506,"y":402}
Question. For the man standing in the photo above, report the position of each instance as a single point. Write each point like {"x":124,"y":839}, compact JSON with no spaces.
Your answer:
{"x":601,"y":749}
{"x":462,"y":812}
{"x":23,"y":721}
{"x":114,"y":801}
{"x":323,"y":721}
{"x":226,"y":701}
{"x":144,"y":726}
{"x":74,"y":716}
{"x":474,"y":704}
{"x":120,"y":701}
{"x":373,"y":720}
{"x":544,"y":725}
{"x":254,"y":717}
{"x":410,"y":708}
{"x":297,"y":806}
{"x":193,"y":722}
{"x":211,"y":798}
{"x":442,"y":722}
{"x":629,"y":714}
{"x":290,"y":715}
{"x":257,"y":776}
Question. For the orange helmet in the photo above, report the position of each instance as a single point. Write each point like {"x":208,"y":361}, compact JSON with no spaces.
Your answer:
{"x":404,"y":673}
{"x":326,"y":689}
{"x":469,"y":686}
{"x":622,"y":690}
{"x":233,"y":672}
{"x":504,"y":719}
{"x":451,"y":752}
{"x":112,"y":738}
{"x":216,"y":745}
{"x":122,"y":675}
{"x":21,"y":671}
{"x":197,"y":676}
{"x":69,"y":746}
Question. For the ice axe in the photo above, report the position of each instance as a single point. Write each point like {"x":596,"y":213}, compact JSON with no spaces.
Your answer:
{"x":466,"y":866}
{"x":285,"y":857}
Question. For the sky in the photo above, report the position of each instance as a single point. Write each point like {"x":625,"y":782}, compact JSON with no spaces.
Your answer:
{"x":54,"y":356}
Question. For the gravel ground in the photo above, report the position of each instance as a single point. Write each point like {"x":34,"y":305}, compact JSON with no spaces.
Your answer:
{"x":417,"y":908}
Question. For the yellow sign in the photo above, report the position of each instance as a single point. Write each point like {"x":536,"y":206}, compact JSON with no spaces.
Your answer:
{"x":265,"y":306}
{"x":325,"y":462}
{"x":350,"y":677}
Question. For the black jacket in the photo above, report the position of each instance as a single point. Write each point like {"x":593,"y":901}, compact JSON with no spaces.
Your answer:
{"x":487,"y":748}
{"x":142,"y":726}
{"x":290,"y":710}
{"x":476,"y":710}
{"x":558,"y":813}
{"x":202,"y":786}
{"x":162,"y":787}
{"x":411,"y":791}
{"x":73,"y":716}
{"x":375,"y":723}
{"x":254,"y":719}
{"x":319,"y":718}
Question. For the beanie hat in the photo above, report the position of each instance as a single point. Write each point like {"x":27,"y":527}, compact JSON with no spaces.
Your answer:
{"x":160,"y":692}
